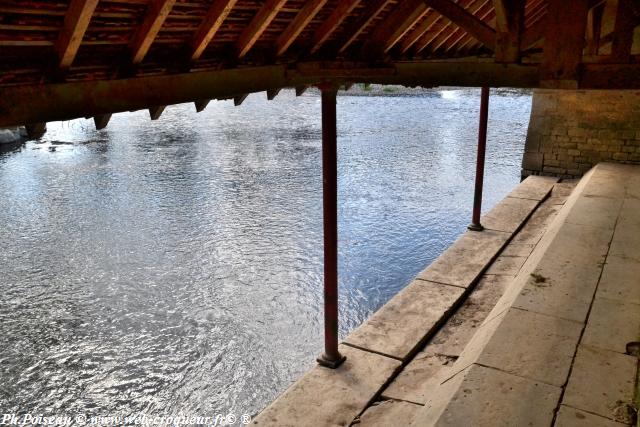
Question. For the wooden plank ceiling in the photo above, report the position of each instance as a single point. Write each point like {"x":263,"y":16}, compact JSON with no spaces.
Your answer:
{"x":63,"y":42}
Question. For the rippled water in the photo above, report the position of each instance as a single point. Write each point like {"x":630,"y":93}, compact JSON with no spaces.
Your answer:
{"x":176,"y":265}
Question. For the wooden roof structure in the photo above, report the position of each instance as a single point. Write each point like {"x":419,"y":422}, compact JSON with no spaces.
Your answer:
{"x":82,"y":58}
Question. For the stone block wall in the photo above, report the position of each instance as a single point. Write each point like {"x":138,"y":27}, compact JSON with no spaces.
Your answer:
{"x":572,"y":130}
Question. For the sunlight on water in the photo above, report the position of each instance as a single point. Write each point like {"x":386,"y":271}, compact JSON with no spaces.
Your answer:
{"x":176,"y":265}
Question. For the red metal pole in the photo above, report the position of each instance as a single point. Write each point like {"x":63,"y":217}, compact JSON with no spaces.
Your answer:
{"x":331,"y":357}
{"x":482,"y":145}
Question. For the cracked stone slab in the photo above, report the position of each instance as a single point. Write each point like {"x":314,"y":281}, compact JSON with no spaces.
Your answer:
{"x":506,"y":265}
{"x":466,"y":259}
{"x":619,"y":279}
{"x":508,"y":214}
{"x":403,"y":323}
{"x":485,"y":397}
{"x":564,"y":281}
{"x":602,"y":382}
{"x":546,"y":353}
{"x":612,"y":324}
{"x":572,"y":417}
{"x":389,"y":413}
{"x":534,"y":187}
{"x":331,"y":397}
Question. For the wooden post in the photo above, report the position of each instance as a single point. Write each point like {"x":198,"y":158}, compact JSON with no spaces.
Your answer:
{"x":331,"y":357}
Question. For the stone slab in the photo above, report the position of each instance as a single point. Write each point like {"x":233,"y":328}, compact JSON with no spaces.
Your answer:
{"x":442,"y":350}
{"x":518,"y":249}
{"x":403,"y":323}
{"x":509,"y":214}
{"x":626,"y":239}
{"x":466,"y":259}
{"x":389,"y":413}
{"x":532,"y":345}
{"x":612,"y":324}
{"x":331,"y":397}
{"x":564,"y":281}
{"x":417,"y":379}
{"x":595,"y":211}
{"x":602,"y":383}
{"x":620,"y":279}
{"x":485,"y":397}
{"x":506,"y":265}
{"x":534,"y":187}
{"x":572,"y":417}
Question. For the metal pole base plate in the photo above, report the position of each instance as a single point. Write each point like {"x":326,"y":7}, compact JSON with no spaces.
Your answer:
{"x":475,"y":227}
{"x":330,"y":363}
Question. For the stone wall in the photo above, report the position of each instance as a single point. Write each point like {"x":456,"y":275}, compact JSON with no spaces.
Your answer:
{"x":572,"y":130}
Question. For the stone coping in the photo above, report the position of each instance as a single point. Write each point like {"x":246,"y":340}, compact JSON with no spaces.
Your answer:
{"x":378,"y":349}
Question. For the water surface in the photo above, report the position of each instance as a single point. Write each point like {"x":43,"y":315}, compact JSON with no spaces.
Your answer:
{"x":176,"y":265}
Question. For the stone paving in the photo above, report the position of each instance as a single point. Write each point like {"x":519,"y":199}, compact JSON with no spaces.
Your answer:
{"x":525,"y":323}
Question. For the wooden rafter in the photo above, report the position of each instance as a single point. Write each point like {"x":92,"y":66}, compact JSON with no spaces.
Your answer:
{"x":396,"y":25}
{"x":258,"y":24}
{"x":431,"y":35}
{"x":146,"y":34}
{"x":440,"y":33}
{"x":369,"y":15}
{"x":302,"y":19}
{"x":534,"y":33}
{"x":342,"y":10}
{"x":415,"y":34}
{"x":462,"y":18}
{"x":484,"y":12}
{"x":216,"y":15}
{"x":478,"y":9}
{"x":76,"y":22}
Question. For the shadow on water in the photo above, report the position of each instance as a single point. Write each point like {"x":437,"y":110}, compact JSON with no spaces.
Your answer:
{"x":176,"y":265}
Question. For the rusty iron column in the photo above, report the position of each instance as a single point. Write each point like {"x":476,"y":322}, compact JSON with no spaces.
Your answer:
{"x":331,"y":357}
{"x":482,"y":145}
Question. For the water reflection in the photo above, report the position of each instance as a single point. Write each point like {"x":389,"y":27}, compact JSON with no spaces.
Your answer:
{"x":177,"y":265}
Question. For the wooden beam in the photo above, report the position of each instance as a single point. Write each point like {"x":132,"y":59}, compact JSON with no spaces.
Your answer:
{"x":396,"y":25}
{"x":258,"y":24}
{"x":623,"y":32}
{"x":272,"y":93}
{"x":485,"y":12}
{"x":76,"y":22}
{"x":369,"y":15}
{"x":239,"y":99}
{"x":419,"y":31}
{"x":156,"y":111}
{"x":342,"y":10}
{"x":302,"y":19}
{"x":101,"y":121}
{"x":68,"y":100}
{"x":201,"y":105}
{"x":476,"y":10}
{"x":216,"y":15}
{"x":509,"y":28}
{"x":441,"y":32}
{"x":459,"y":16}
{"x":564,"y":42}
{"x":155,"y":17}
